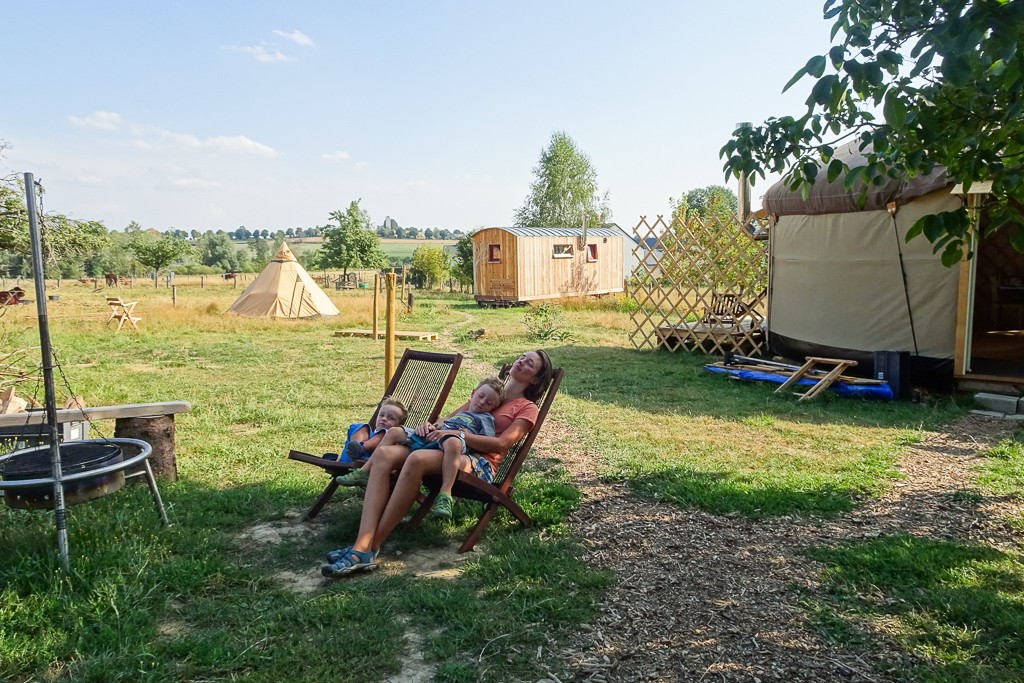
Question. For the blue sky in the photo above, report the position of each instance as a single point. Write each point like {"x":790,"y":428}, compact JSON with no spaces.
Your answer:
{"x":271,"y":115}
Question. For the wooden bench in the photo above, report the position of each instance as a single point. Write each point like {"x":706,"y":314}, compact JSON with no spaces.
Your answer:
{"x":122,"y":311}
{"x":150,"y":422}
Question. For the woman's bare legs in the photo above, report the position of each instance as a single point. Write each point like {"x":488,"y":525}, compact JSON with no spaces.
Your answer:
{"x":385,"y":460}
{"x":393,"y":508}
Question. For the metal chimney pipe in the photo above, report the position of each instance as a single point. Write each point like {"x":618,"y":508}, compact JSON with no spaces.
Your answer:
{"x":743,"y":195}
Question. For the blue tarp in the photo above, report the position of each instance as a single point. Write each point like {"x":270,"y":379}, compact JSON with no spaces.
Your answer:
{"x":879,"y":391}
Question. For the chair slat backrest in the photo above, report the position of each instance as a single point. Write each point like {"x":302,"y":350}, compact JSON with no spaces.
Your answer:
{"x":516,"y":455}
{"x":422,"y":382}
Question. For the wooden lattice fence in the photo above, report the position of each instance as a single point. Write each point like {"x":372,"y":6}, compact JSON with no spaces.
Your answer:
{"x":701,"y":284}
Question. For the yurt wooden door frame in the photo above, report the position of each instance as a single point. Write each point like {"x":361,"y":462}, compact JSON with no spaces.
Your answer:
{"x":989,"y":351}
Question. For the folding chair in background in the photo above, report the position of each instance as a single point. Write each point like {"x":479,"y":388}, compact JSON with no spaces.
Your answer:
{"x":421,"y":382}
{"x":498,"y":494}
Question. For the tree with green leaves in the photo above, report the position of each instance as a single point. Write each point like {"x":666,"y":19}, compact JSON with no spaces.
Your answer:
{"x":218,"y":251}
{"x":705,"y":201}
{"x":712,"y":251}
{"x":157,"y":254}
{"x":462,"y":264}
{"x":947,"y":76}
{"x":261,"y":254}
{"x":429,"y":264}
{"x":564,"y":192}
{"x":352,"y":243}
{"x":64,"y":240}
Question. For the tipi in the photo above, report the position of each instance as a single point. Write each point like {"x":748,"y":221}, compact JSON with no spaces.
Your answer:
{"x":283,"y":290}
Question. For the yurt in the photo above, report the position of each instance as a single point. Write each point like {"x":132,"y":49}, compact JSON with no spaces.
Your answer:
{"x":283,"y":290}
{"x":845,"y":283}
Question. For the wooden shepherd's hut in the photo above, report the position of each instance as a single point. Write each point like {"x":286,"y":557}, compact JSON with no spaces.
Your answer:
{"x":515,"y":265}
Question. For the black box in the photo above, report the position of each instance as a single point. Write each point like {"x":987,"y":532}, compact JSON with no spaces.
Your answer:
{"x":893,"y":368}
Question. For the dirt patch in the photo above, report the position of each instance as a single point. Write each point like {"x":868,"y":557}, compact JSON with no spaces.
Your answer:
{"x":441,"y":562}
{"x":305,"y":582}
{"x":700,"y":596}
{"x":291,"y":526}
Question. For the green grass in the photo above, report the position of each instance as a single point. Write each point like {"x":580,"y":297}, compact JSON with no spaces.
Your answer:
{"x":1003,"y":472}
{"x":199,"y":602}
{"x":957,"y":607}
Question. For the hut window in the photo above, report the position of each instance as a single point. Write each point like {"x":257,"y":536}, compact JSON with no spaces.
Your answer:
{"x":494,"y":253}
{"x":562,"y":251}
{"x":591,"y":253}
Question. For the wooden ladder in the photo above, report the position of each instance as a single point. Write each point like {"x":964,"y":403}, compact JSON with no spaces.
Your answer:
{"x":824,"y":381}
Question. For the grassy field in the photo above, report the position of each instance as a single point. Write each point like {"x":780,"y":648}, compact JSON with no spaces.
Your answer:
{"x":203,"y":601}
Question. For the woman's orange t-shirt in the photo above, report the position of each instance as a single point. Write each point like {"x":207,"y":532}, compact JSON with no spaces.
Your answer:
{"x":507,"y":413}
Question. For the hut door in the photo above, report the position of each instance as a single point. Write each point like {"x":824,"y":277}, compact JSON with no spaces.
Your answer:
{"x":499,"y":286}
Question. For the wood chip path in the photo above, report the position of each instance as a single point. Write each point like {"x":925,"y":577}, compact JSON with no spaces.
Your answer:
{"x":704,"y":597}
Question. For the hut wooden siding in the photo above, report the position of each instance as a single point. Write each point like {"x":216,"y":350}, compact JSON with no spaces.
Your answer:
{"x":527,"y":269}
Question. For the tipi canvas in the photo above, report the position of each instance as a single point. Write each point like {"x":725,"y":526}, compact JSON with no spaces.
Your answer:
{"x":283,"y":290}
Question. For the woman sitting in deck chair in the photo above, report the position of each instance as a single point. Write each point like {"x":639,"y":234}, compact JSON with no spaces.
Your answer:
{"x":384,"y":508}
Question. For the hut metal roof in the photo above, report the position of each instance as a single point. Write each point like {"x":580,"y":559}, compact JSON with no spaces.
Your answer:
{"x":561,"y":232}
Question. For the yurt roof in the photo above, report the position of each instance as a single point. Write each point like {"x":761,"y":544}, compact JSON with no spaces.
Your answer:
{"x":826,"y":197}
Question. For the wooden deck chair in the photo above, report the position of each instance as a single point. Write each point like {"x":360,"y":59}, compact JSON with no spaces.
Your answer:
{"x":421,"y":382}
{"x":499,"y":494}
{"x":725,"y":308}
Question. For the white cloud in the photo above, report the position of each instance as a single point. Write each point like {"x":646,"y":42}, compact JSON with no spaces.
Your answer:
{"x":335,"y":156}
{"x":100,"y":120}
{"x":194,"y":183}
{"x":362,"y":164}
{"x":295,"y":36}
{"x":89,"y":180}
{"x":259,"y":52}
{"x":417,"y":184}
{"x":159,"y":138}
{"x":241,"y":145}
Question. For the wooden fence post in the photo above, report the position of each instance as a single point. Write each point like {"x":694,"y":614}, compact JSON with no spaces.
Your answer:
{"x":389,"y":331}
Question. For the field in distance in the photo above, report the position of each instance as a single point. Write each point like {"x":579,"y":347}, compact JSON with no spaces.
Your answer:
{"x":396,"y":248}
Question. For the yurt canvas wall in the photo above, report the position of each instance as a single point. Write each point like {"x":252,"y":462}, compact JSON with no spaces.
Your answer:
{"x":528,"y":264}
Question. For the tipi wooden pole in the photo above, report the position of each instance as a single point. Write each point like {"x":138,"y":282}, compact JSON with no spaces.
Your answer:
{"x":376,"y":310}
{"x":389,"y":331}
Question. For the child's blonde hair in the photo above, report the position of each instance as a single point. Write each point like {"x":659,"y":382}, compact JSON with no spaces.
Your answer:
{"x":494,"y":383}
{"x":397,"y":405}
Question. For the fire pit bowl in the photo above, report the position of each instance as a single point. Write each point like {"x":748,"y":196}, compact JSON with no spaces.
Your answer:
{"x":79,"y":459}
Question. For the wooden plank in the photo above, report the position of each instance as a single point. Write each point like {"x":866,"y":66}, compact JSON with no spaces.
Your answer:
{"x":422,"y":336}
{"x":36,"y":417}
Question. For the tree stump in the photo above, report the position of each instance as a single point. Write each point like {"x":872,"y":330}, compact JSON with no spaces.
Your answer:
{"x":158,"y":432}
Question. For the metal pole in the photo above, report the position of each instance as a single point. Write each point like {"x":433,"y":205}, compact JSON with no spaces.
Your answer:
{"x":743,"y":203}
{"x":59,"y":511}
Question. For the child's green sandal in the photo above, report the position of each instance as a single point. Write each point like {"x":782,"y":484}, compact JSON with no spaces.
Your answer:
{"x":353,"y":478}
{"x":443,"y":506}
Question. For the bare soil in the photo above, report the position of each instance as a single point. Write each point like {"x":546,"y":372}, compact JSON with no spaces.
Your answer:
{"x":699,"y":596}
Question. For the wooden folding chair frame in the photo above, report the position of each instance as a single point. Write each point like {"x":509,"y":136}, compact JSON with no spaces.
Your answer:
{"x":422,"y":382}
{"x":122,"y":311}
{"x":498,"y":494}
